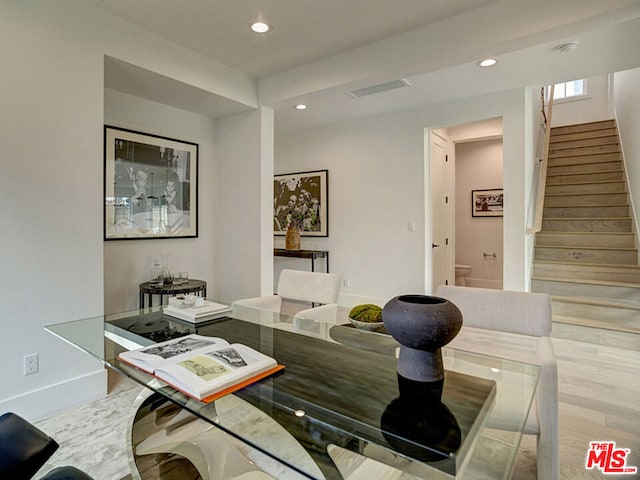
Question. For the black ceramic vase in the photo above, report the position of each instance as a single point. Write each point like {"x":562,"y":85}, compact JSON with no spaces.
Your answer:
{"x":422,"y":325}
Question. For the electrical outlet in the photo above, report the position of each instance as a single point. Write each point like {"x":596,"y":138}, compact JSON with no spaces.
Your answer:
{"x":31,"y":364}
{"x":346,"y":282}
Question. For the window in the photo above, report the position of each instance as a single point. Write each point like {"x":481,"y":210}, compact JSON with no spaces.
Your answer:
{"x":570,"y":90}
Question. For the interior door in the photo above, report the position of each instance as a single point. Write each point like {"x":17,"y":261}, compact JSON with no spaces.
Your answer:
{"x":441,"y":210}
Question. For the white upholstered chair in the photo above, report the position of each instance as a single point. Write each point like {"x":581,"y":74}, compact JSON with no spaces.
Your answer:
{"x":502,"y":323}
{"x":297,"y":290}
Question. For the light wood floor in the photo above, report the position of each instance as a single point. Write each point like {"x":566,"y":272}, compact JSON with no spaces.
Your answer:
{"x":599,"y":395}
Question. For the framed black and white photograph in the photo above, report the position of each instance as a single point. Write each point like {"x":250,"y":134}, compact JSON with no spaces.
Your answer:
{"x":150,"y":186}
{"x":301,"y":200}
{"x":487,"y":203}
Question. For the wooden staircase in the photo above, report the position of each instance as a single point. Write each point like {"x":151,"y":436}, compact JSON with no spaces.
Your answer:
{"x":585,"y":254}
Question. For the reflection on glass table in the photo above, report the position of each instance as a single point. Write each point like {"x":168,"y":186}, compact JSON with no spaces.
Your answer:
{"x":338,"y":410}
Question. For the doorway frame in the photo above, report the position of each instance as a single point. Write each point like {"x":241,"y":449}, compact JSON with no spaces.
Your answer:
{"x":487,"y":129}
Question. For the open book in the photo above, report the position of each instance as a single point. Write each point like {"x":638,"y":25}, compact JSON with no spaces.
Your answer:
{"x":205,"y":368}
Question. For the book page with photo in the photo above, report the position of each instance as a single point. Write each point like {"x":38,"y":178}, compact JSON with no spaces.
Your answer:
{"x":154,"y":356}
{"x":214,"y":370}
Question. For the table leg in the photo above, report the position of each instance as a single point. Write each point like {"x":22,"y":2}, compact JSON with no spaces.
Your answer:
{"x":141,"y":299}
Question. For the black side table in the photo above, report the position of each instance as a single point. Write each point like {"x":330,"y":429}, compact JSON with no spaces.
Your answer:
{"x":199,"y":287}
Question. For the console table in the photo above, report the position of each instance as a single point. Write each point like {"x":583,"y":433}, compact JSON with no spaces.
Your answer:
{"x":337,"y":398}
{"x":310,"y":254}
{"x":199,"y":287}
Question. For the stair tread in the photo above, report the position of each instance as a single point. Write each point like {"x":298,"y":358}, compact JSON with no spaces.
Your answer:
{"x":611,"y":170}
{"x":597,"y":301}
{"x":606,"y":121}
{"x":587,"y":218}
{"x":582,"y":194}
{"x":569,"y":232}
{"x":555,"y":174}
{"x":559,"y":145}
{"x":577,"y":247}
{"x":604,"y":157}
{"x":582,"y":207}
{"x":595,"y":205}
{"x":584,"y":154}
{"x":587,"y":142}
{"x":592,"y":182}
{"x":583,"y":281}
{"x":585,"y":265}
{"x":595,"y":323}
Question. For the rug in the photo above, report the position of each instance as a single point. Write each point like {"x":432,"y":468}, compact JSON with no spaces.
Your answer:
{"x":92,"y":436}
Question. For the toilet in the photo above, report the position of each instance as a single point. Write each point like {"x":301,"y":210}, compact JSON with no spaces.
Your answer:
{"x":462,"y":271}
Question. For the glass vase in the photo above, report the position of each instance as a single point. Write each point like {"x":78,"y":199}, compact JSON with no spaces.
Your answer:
{"x":167,"y":278}
{"x":156,"y":274}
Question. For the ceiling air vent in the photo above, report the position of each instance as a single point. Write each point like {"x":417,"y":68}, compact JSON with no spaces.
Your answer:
{"x":381,"y":87}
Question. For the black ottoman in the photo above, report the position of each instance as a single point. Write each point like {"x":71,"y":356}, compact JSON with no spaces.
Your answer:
{"x":23,"y":448}
{"x":66,"y":473}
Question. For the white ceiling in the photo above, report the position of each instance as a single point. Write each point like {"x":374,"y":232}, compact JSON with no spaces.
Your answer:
{"x":320,"y":49}
{"x":303,"y":30}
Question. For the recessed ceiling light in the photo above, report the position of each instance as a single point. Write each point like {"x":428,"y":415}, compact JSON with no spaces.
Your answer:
{"x":260,"y":27}
{"x":301,"y":106}
{"x":487,"y":62}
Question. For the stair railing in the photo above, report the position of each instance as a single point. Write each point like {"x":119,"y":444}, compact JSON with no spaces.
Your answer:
{"x":544,"y":160}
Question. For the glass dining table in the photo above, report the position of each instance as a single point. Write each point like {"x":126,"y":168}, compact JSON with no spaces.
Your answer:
{"x":338,"y":410}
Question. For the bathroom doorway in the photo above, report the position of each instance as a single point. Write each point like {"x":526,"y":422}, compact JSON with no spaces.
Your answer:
{"x":475,"y":239}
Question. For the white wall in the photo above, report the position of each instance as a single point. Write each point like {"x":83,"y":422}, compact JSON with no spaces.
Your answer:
{"x":478,"y":167}
{"x":376,"y":186}
{"x":627,"y":111}
{"x":591,"y":108}
{"x":482,"y":130}
{"x":127,"y":263}
{"x":244,"y":219}
{"x":50,"y":187}
{"x":51,"y":128}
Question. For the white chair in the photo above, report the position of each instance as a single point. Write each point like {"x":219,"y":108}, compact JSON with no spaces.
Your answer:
{"x":329,"y":313}
{"x":296,"y":290}
{"x":524,"y":318}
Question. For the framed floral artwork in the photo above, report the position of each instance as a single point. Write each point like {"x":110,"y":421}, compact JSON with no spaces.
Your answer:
{"x":301,"y":200}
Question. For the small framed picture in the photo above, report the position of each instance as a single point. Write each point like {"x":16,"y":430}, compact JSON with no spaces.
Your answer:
{"x":487,"y":203}
{"x":300,"y":200}
{"x":150,"y":186}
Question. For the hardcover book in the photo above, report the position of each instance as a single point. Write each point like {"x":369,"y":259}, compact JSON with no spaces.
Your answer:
{"x":204,"y":368}
{"x":201,"y":311}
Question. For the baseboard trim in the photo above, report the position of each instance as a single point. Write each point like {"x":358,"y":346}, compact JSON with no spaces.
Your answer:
{"x":44,"y":402}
